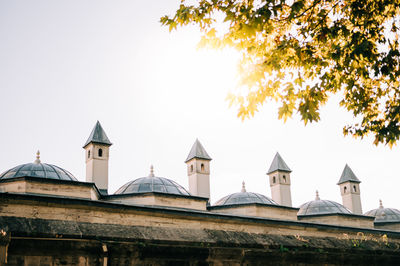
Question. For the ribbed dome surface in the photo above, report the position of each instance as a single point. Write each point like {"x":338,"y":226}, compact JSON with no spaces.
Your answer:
{"x":152,"y":184}
{"x":383,"y":215}
{"x":244,"y":198}
{"x":322,"y":207}
{"x":40,"y":170}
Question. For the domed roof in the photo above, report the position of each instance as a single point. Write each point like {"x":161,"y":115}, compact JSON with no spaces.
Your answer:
{"x":152,"y":183}
{"x":244,"y":197}
{"x":384,"y":215}
{"x":38,"y":169}
{"x":319,"y":206}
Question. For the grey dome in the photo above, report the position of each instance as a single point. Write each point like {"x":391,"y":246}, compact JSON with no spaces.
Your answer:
{"x":152,"y":184}
{"x":40,"y":170}
{"x":244,"y":198}
{"x":385,"y":215}
{"x":322,"y":207}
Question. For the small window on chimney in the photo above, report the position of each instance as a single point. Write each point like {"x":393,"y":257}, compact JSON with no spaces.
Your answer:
{"x":354,"y":189}
{"x":273,"y":180}
{"x":100,"y":153}
{"x":191,"y":168}
{"x":202,"y":167}
{"x":284,"y":179}
{"x":345,"y":189}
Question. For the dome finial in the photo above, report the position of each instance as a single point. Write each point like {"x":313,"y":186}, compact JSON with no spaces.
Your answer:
{"x":243,"y":187}
{"x":151,"y":171}
{"x":37,"y":161}
{"x":317,"y":195}
{"x":380,"y":204}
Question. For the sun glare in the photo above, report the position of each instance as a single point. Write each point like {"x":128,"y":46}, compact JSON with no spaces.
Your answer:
{"x":216,"y":70}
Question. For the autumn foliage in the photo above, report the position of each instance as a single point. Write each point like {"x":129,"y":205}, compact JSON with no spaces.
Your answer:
{"x":298,"y":53}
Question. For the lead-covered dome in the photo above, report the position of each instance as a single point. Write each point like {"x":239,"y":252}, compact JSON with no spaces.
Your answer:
{"x":152,"y":183}
{"x":319,"y":206}
{"x":39,"y":170}
{"x":384,"y":215}
{"x":244,"y":197}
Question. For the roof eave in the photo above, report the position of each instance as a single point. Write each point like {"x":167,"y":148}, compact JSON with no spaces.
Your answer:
{"x":197,"y":157}
{"x":280,"y":170}
{"x":354,"y":181}
{"x":97,"y":142}
{"x":156,"y":193}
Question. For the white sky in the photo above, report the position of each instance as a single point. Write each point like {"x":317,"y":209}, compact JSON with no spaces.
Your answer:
{"x":66,"y":64}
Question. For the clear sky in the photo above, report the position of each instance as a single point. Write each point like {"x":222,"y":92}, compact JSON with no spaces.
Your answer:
{"x":66,"y":64}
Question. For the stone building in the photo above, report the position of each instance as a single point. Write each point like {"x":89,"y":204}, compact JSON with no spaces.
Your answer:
{"x":48,"y":217}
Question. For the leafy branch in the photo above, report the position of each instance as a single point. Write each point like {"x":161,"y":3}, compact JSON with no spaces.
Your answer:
{"x":299,"y":53}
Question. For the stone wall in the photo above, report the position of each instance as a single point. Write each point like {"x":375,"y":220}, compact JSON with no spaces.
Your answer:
{"x":258,"y":210}
{"x":340,"y":219}
{"x":97,"y":212}
{"x":388,"y":226}
{"x":50,"y":187}
{"x":40,"y":242}
{"x":159,"y":199}
{"x":44,"y":230}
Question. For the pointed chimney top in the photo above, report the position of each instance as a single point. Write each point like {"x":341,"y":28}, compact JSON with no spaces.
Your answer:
{"x":348,"y":175}
{"x":198,"y":151}
{"x":37,"y":161}
{"x":278,"y":164}
{"x":243,"y":187}
{"x":98,"y":136}
{"x":380,"y":204}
